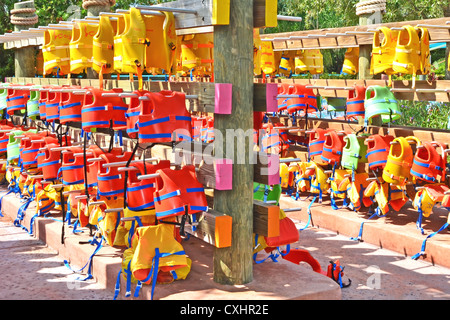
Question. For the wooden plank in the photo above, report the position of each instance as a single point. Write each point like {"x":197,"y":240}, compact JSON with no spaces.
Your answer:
{"x":266,"y":219}
{"x":203,"y":17}
{"x":213,"y":228}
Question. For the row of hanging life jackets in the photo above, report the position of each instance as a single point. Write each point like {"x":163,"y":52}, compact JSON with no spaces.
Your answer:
{"x":398,"y":161}
{"x":405,"y":51}
{"x":119,"y":43}
{"x":362,"y":102}
{"x":168,"y":193}
{"x":163,"y":117}
{"x":269,"y":62}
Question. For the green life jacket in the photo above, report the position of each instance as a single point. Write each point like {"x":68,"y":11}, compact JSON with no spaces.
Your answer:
{"x":382,"y":104}
{"x":33,"y":104}
{"x":354,"y":152}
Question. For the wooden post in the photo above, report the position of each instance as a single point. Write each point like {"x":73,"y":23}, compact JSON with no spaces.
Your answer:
{"x":23,"y":17}
{"x":233,"y":63}
{"x":366,"y":50}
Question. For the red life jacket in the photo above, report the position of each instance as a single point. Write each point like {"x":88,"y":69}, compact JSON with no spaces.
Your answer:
{"x":70,"y":106}
{"x":378,"y":147}
{"x":140,"y":192}
{"x":16,"y":100}
{"x":197,"y":124}
{"x":110,"y":181}
{"x":4,"y":138}
{"x":207,"y":131}
{"x":176,"y":189}
{"x":162,"y":117}
{"x":428,"y":164}
{"x":355,"y":102}
{"x":43,"y":96}
{"x":99,"y":111}
{"x":30,"y":145}
{"x":316,"y":142}
{"x":72,"y":167}
{"x":52,"y":105}
{"x":275,"y":138}
{"x":304,"y":100}
{"x":284,"y":89}
{"x":133,"y":112}
{"x":49,"y":161}
{"x":92,"y":167}
{"x":332,"y":148}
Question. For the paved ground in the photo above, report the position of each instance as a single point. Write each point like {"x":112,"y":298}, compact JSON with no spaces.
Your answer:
{"x":33,"y":271}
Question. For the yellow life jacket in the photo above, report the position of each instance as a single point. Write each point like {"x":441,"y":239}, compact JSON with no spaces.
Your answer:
{"x":55,"y":50}
{"x":426,"y":198}
{"x":300,"y":63}
{"x":424,"y":39}
{"x":256,"y":52}
{"x":351,"y":61}
{"x":103,"y":46}
{"x":383,"y":52}
{"x":160,"y":31}
{"x":399,"y":161}
{"x":386,"y":194}
{"x":122,"y":22}
{"x":133,"y":42}
{"x":303,"y":177}
{"x":314,"y":61}
{"x":284,"y":175}
{"x":287,"y":63}
{"x":407,"y":51}
{"x":81,"y":48}
{"x":267,"y":57}
{"x":319,"y":181}
{"x":197,"y":53}
{"x":339,"y":183}
{"x":356,"y":189}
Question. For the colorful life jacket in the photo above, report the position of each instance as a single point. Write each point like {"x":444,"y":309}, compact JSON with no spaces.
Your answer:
{"x":256,"y":52}
{"x":407,"y":51}
{"x":424,"y":39}
{"x":176,"y":189}
{"x":428,"y":165}
{"x":356,"y":190}
{"x":55,"y":51}
{"x":286,"y":177}
{"x":101,"y":112}
{"x":287,"y":63}
{"x":72,"y":166}
{"x":3,"y":95}
{"x":197,"y":53}
{"x":103,"y":46}
{"x":49,"y":160}
{"x":354,"y":151}
{"x":314,"y":61}
{"x":70,"y":107}
{"x":426,"y":198}
{"x":303,"y":177}
{"x":43,"y":96}
{"x":355,"y":102}
{"x":339,"y":183}
{"x":4,"y":138}
{"x":300,"y":63}
{"x":267,"y":57}
{"x":160,"y":53}
{"x":351,"y":61}
{"x":263,"y":192}
{"x":52,"y":105}
{"x":81,"y":47}
{"x":385,"y":195}
{"x":319,"y":181}
{"x":13,"y":146}
{"x":305,"y":100}
{"x":133,"y":112}
{"x":122,"y":22}
{"x":33,"y":103}
{"x":133,"y":42}
{"x":110,"y":181}
{"x":284,"y":89}
{"x":275,"y":139}
{"x":197,"y":124}
{"x":30,"y":146}
{"x":207,"y":131}
{"x":332,"y":148}
{"x":383,"y":52}
{"x":17,"y":100}
{"x":139,"y":193}
{"x":382,"y":103}
{"x":164,"y":116}
{"x":378,"y":147}
{"x":399,"y":161}
{"x":315,"y":144}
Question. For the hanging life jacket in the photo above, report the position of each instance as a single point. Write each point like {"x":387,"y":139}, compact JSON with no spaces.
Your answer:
{"x":287,"y":63}
{"x":267,"y":58}
{"x":103,"y":46}
{"x":72,"y":166}
{"x":382,"y":103}
{"x":176,"y":189}
{"x":100,"y":111}
{"x":354,"y":151}
{"x":133,"y":112}
{"x":70,"y":107}
{"x":49,"y":160}
{"x":332,"y":148}
{"x":284,"y":89}
{"x":33,"y":103}
{"x":133,"y":42}
{"x":16,"y":100}
{"x":160,"y":53}
{"x":52,"y":105}
{"x":55,"y":51}
{"x":30,"y":148}
{"x":378,"y":147}
{"x":304,"y":99}
{"x":407,"y":52}
{"x":197,"y":53}
{"x":110,"y":181}
{"x":399,"y":161}
{"x":81,"y":47}
{"x":164,"y":117}
{"x":383,"y":52}
{"x":139,"y":193}
{"x":315,"y":144}
{"x":355,"y":102}
{"x":351,"y":61}
{"x":424,"y":40}
{"x":428,"y":165}
{"x":122,"y":21}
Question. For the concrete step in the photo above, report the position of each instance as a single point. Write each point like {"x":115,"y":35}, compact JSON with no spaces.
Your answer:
{"x":397,"y":231}
{"x":282,"y":280}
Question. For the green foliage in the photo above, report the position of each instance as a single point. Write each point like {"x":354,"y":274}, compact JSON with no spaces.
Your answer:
{"x":424,"y":114}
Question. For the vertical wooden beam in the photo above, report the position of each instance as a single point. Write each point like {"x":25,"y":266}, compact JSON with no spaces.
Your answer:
{"x":25,"y":57}
{"x":233,"y":63}
{"x":366,"y":50}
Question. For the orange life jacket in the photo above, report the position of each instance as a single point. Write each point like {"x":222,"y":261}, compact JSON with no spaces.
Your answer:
{"x":428,"y":165}
{"x":110,"y":180}
{"x":70,"y":107}
{"x":355,"y":102}
{"x":16,"y":99}
{"x":332,"y":148}
{"x":316,"y":142}
{"x":304,"y":99}
{"x":378,"y":147}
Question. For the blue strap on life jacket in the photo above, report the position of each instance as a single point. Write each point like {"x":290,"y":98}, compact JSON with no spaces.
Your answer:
{"x":422,"y":250}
